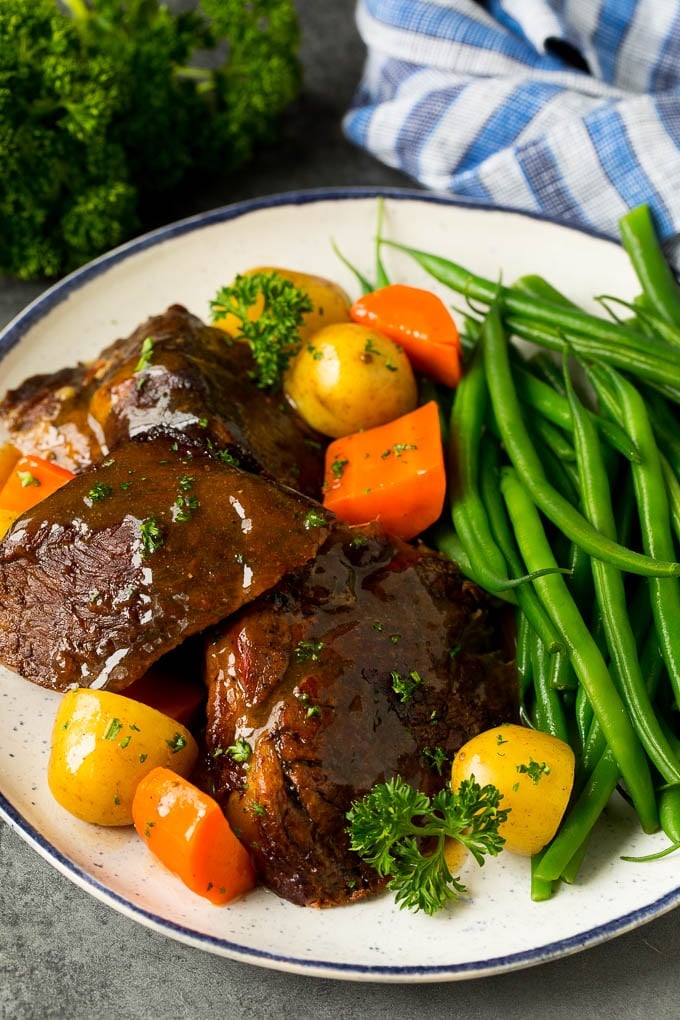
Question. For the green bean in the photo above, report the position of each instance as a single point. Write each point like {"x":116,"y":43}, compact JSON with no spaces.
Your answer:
{"x":523,"y":656}
{"x":585,"y":656}
{"x":673,"y":490}
{"x":553,"y":438}
{"x":646,"y":321}
{"x":548,"y":709}
{"x":658,"y":283}
{"x":547,"y":369}
{"x":447,"y":542}
{"x":546,"y":400}
{"x":641,"y":361}
{"x":669,"y":813}
{"x":583,"y":715}
{"x":381,"y":277}
{"x":540,"y":889}
{"x":572,"y":868}
{"x":527,"y":600}
{"x":468,"y":512}
{"x":539,"y":287}
{"x":654,"y":514}
{"x":364,"y":283}
{"x":611,"y":596}
{"x":562,"y":677}
{"x":665,"y":427}
{"x":525,"y":459}
{"x":594,"y":334}
{"x":580,"y":819}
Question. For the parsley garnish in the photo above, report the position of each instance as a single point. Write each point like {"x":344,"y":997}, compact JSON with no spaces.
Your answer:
{"x":240,"y":751}
{"x":338,"y":467}
{"x":151,"y":534}
{"x":305,"y":700}
{"x":437,"y":757}
{"x":397,"y":449}
{"x":306,"y":650}
{"x":98,"y":492}
{"x":389,"y":825}
{"x":273,"y":335}
{"x":145,"y":356}
{"x":534,"y":770}
{"x":112,"y":730}
{"x":314,"y":519}
{"x":227,"y":458}
{"x":26,"y":479}
{"x":178,"y":742}
{"x":184,"y":507}
{"x":405,"y":686}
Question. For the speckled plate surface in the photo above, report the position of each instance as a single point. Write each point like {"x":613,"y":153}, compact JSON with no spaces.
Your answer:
{"x":496,"y":927}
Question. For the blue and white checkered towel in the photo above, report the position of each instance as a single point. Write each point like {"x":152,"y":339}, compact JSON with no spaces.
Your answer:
{"x":567,"y":108}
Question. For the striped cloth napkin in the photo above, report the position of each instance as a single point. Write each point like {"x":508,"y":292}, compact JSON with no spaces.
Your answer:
{"x":566,"y":108}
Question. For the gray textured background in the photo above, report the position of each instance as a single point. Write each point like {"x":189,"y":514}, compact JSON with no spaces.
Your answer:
{"x":64,"y":955}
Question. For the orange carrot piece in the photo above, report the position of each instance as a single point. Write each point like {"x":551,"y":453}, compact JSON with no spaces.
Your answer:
{"x":187,"y":831}
{"x":419,"y":321}
{"x":30,"y":481}
{"x":394,"y":474}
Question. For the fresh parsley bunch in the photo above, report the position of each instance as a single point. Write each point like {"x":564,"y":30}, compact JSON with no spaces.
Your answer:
{"x":104,"y":114}
{"x":401,"y":832}
{"x":273,"y":332}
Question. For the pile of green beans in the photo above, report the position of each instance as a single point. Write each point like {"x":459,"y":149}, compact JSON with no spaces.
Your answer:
{"x":565,"y":500}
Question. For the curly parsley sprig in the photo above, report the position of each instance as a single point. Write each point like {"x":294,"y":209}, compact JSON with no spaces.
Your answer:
{"x":273,"y":335}
{"x":393,"y":826}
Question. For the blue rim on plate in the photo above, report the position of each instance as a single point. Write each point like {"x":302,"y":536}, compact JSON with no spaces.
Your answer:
{"x":11,"y":335}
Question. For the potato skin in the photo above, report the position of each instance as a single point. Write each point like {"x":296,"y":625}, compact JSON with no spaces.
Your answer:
{"x":535,"y":773}
{"x":349,"y":377}
{"x":331,"y":303}
{"x":102,"y":745}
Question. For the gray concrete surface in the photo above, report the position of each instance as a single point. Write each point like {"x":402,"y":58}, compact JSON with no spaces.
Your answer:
{"x":64,"y":955}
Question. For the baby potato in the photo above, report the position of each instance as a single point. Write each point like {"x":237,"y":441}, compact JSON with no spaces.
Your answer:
{"x":329,"y":300}
{"x":535,"y":773}
{"x":102,"y":745}
{"x":349,"y":377}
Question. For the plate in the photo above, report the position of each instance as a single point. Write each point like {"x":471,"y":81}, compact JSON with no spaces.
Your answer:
{"x":496,"y":927}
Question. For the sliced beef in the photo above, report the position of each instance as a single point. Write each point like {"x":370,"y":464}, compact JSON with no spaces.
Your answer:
{"x":174,"y":374}
{"x":130,"y":558}
{"x":371,"y":661}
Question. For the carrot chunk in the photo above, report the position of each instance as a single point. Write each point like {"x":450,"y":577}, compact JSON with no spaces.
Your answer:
{"x":394,"y":474}
{"x":31,"y":480}
{"x":419,"y":321}
{"x":187,"y":831}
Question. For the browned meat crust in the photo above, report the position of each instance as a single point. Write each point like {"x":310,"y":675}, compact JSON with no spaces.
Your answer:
{"x":306,"y":677}
{"x":196,"y":383}
{"x":86,"y":599}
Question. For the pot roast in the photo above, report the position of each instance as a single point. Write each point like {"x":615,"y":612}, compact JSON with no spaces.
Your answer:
{"x":175,"y":375}
{"x":376,"y":659}
{"x":132,"y":557}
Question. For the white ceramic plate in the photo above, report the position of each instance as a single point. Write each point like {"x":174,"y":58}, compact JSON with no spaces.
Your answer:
{"x":497,"y":927}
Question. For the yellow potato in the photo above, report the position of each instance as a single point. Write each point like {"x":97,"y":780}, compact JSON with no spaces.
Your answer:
{"x":455,"y":855}
{"x":9,"y":455}
{"x":331,"y":303}
{"x":102,"y":745}
{"x":349,"y":377}
{"x":535,"y":773}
